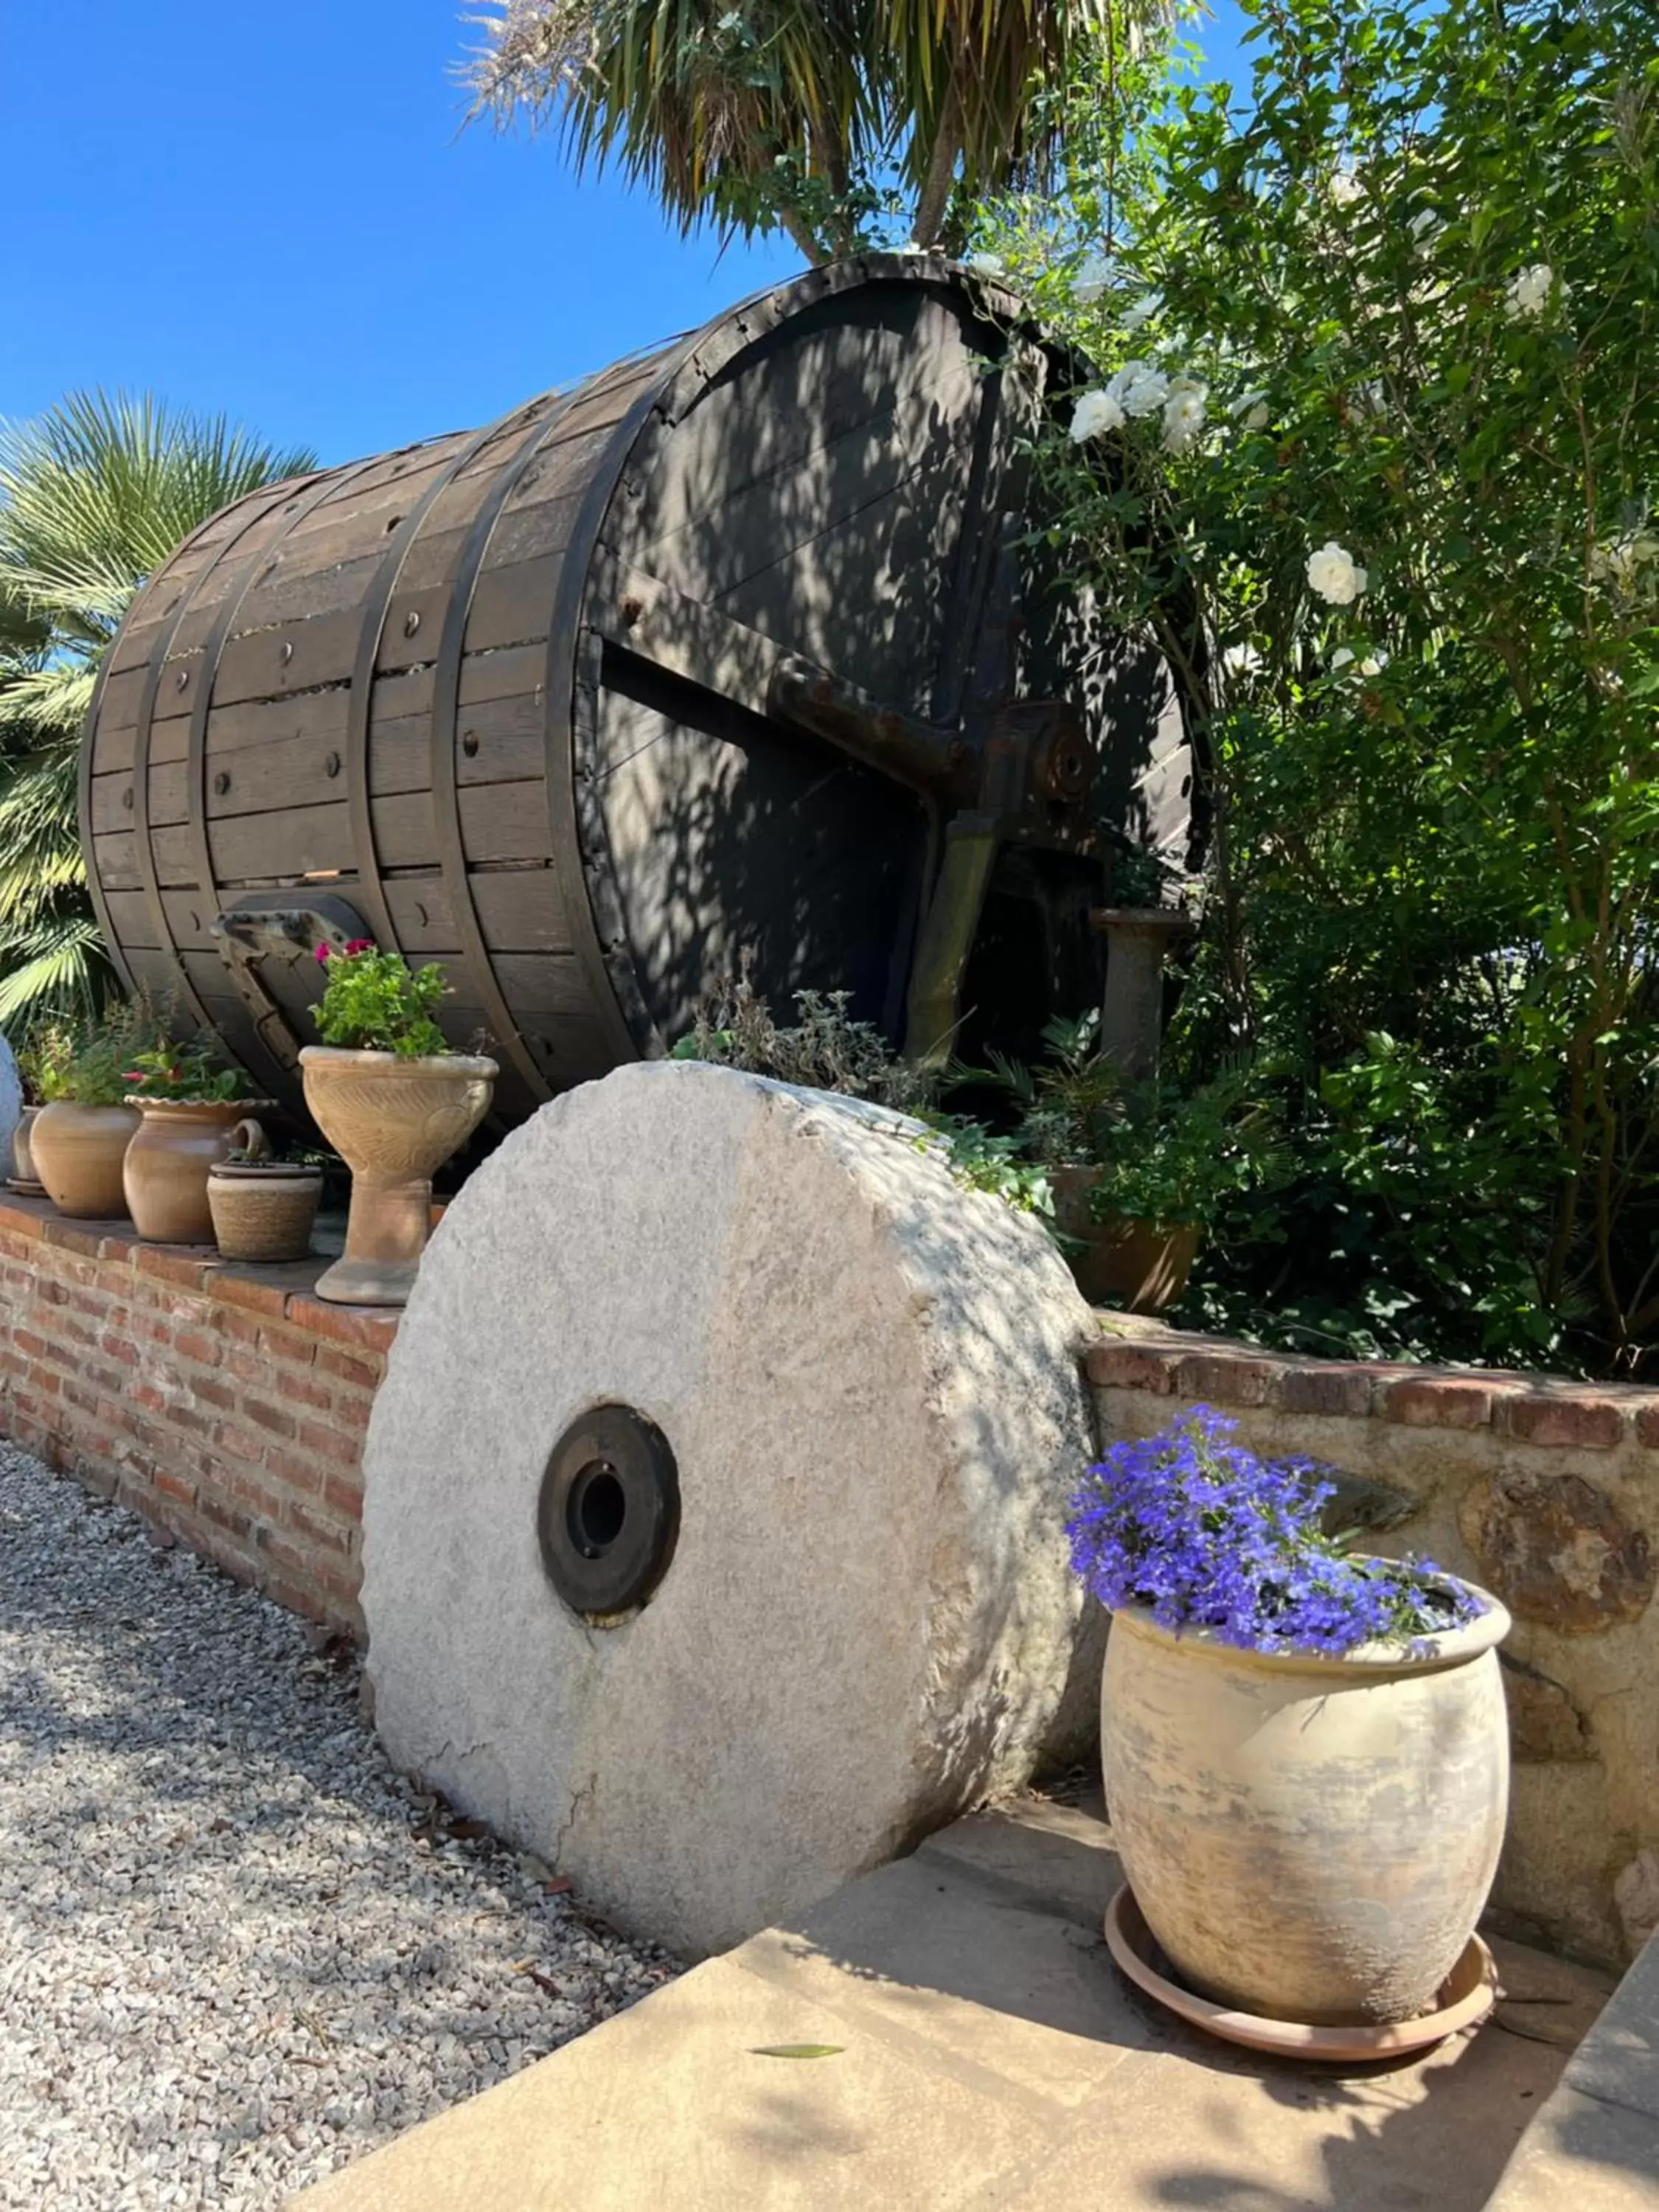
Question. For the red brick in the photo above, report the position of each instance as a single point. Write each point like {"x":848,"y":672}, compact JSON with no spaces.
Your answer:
{"x":50,"y":1291}
{"x":116,"y":1250}
{"x":19,"y":1221}
{"x":1437,"y":1401}
{"x":1647,"y":1422}
{"x":288,"y":1346}
{"x":269,"y":1417}
{"x":171,"y":1266}
{"x":1222,"y":1378}
{"x":173,"y":1486}
{"x":1580,"y":1420}
{"x":28,"y":1342}
{"x":121,"y":1349}
{"x":364,"y":1373}
{"x":345,"y":1496}
{"x":297,"y":1469}
{"x":329,"y":1444}
{"x":250,"y":1294}
{"x":71,"y":1236}
{"x":240,"y":1329}
{"x":1337,"y":1388}
{"x":89,"y":1301}
{"x":198,"y":1344}
{"x":231,"y":1518}
{"x":247,"y":1366}
{"x":327,"y":1533}
{"x":43,"y":1379}
{"x":351,"y":1413}
{"x":354,"y":1325}
{"x":240,"y":1444}
{"x":212,"y":1392}
{"x":1118,"y":1366}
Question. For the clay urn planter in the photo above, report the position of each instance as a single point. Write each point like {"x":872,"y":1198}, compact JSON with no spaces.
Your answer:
{"x":23,"y":1177}
{"x":263,"y":1208}
{"x":394,"y":1119}
{"x":78,"y":1152}
{"x":165,"y":1176}
{"x":1141,"y":1265}
{"x":1310,"y":1838}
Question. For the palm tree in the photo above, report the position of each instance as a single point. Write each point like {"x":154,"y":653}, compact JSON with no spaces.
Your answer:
{"x":806,"y":115}
{"x":95,"y":494}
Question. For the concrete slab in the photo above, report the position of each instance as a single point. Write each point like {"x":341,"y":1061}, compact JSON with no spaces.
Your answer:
{"x":985,"y":2058}
{"x":1619,"y":2064}
{"x":1584,"y":2156}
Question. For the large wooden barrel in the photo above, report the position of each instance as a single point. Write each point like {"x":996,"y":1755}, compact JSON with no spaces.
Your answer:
{"x":734,"y":650}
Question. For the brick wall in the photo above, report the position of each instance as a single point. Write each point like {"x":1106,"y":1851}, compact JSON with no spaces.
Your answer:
{"x":1544,"y":1489}
{"x":226,"y":1404}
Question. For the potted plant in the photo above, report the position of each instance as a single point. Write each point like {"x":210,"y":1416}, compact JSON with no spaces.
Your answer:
{"x":79,"y":1140}
{"x":263,"y":1208}
{"x":189,"y":1102}
{"x":1136,"y":1170}
{"x":1305,"y":1751}
{"x":395,"y":1102}
{"x":39,"y":1064}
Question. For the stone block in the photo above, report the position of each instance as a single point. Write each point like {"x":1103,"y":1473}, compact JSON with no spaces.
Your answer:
{"x":1618,"y":2060}
{"x":1556,"y":1550}
{"x":1545,"y":1724}
{"x":870,"y":1383}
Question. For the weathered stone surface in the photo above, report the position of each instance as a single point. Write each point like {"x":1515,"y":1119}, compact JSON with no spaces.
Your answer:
{"x":1556,"y":1550}
{"x":1544,"y":1722}
{"x":1636,"y":1896}
{"x":1359,"y":1503}
{"x":11,"y":1104}
{"x":870,"y":1380}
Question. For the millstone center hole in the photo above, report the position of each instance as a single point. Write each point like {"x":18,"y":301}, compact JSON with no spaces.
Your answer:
{"x":597,"y":1508}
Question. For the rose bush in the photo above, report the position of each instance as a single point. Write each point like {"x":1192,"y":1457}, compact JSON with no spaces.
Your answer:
{"x":1376,"y":391}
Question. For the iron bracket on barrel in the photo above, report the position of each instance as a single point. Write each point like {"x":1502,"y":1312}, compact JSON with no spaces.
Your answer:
{"x":270,"y":925}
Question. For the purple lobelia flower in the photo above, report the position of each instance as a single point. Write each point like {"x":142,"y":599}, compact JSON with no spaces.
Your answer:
{"x":1203,"y":1533}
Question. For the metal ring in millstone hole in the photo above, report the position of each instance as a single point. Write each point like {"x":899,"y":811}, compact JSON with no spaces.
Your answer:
{"x":608,"y":1512}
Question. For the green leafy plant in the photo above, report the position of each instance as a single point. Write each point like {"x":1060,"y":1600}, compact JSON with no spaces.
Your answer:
{"x":1371,"y":452}
{"x":187,"y":1074}
{"x":375,"y":1001}
{"x":825,"y":1049}
{"x":87,"y":1063}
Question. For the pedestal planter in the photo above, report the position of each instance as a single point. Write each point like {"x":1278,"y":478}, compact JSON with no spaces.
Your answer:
{"x":1138,"y":1265}
{"x":166,"y":1171}
{"x":77,"y":1152}
{"x":394,"y":1121}
{"x":1309,"y":1839}
{"x":23,"y":1177}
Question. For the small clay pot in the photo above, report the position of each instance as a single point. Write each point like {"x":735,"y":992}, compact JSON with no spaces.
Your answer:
{"x":1139,"y":1266}
{"x":165,"y":1173}
{"x":263,"y":1209}
{"x":78,"y":1152}
{"x":394,"y":1121}
{"x":23,"y":1175}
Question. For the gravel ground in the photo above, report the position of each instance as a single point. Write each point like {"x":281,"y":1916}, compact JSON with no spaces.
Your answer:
{"x":236,"y":1949}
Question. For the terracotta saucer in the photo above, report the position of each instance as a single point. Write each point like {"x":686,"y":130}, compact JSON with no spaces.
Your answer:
{"x":26,"y":1189}
{"x":1466,"y":1996}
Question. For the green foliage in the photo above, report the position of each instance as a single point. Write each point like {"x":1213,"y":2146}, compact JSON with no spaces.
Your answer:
{"x":1378,"y":395}
{"x":88,"y":1062}
{"x":981,"y":1159}
{"x":188,"y":1073}
{"x":94,"y":495}
{"x":373,"y":1001}
{"x":827,"y":118}
{"x":825,"y":1049}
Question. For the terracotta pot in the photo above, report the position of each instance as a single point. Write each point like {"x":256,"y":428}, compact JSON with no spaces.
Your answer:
{"x":1309,"y":1839}
{"x":77,"y":1152}
{"x":168,"y":1162}
{"x":1138,"y":1265}
{"x":23,"y":1175}
{"x":262,"y":1209}
{"x":394,"y":1122}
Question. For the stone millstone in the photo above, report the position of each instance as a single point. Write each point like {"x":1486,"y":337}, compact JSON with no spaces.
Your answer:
{"x":869,"y":1381}
{"x":11,"y":1105}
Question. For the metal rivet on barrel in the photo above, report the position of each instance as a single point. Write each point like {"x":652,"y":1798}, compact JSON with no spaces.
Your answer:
{"x":286,"y":653}
{"x":331,"y":765}
{"x":184,"y":677}
{"x":420,"y":915}
{"x":222,"y":782}
{"x":126,"y":798}
{"x":411,"y":624}
{"x":470,"y":744}
{"x":608,"y":1514}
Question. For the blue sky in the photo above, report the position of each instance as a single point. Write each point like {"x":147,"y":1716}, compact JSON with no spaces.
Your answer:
{"x":275,"y":209}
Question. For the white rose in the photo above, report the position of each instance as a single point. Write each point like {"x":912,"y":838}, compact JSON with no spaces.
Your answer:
{"x":1095,"y":414}
{"x":1183,"y":414}
{"x":985,"y":264}
{"x":1250,"y":408}
{"x":1345,"y":188}
{"x":1138,"y":388}
{"x":1240,"y":660}
{"x":1335,"y":575}
{"x":1424,"y":227}
{"x":1093,"y":281}
{"x":1530,"y":293}
{"x":1340,"y":659}
{"x":1142,"y":311}
{"x":1618,"y":561}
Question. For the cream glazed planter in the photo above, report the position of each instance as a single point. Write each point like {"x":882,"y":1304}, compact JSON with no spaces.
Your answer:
{"x":393,"y":1122}
{"x":1309,"y":1839}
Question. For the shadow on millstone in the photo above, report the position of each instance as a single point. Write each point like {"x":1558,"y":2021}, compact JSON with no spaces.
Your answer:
{"x":866,"y":1382}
